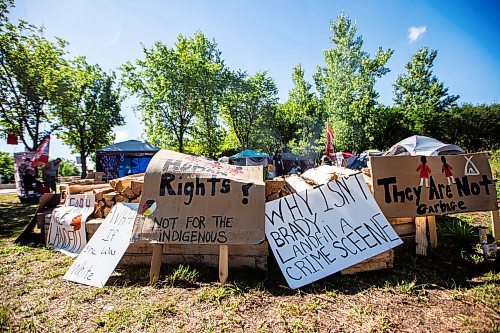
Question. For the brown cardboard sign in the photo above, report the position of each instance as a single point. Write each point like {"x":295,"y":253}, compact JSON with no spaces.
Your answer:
{"x":192,"y":200}
{"x":406,"y":186}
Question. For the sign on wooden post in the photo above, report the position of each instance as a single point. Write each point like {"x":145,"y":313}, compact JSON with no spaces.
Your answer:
{"x":432,"y":185}
{"x":192,"y":200}
{"x":317,"y":232}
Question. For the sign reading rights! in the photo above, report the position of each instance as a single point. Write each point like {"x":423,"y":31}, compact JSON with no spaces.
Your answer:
{"x":192,"y":200}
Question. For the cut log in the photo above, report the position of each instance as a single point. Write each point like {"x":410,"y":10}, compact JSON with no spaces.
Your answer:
{"x":74,"y":189}
{"x":101,"y":203}
{"x":109,"y":196}
{"x":136,"y":187}
{"x":100,"y":192}
{"x":120,"y":198}
{"x":136,"y":200}
{"x":128,"y":193}
{"x":106,"y":211}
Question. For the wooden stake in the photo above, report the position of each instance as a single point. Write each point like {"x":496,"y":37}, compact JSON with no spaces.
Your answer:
{"x":495,"y":224}
{"x":431,"y":223}
{"x":223,"y":264}
{"x":421,"y":235}
{"x":154,"y":271}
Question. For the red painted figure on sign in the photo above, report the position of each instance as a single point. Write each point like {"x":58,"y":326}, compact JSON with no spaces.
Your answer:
{"x":424,"y":171}
{"x":447,"y":170}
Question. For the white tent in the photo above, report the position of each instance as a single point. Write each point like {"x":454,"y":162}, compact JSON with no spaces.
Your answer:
{"x":422,"y":145}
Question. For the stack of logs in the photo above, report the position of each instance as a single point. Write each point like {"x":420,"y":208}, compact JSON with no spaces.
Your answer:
{"x":126,"y":189}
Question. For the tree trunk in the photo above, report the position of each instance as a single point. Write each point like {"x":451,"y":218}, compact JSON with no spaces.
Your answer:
{"x":84,"y":164}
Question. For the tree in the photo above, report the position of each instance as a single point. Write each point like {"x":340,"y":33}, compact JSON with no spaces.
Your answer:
{"x":91,"y":112}
{"x":67,"y":168}
{"x":179,"y":90}
{"x":474,"y":127}
{"x":249,"y":107}
{"x":6,"y":168}
{"x":33,"y":76}
{"x":304,"y":114}
{"x":424,"y":99}
{"x":346,"y":85}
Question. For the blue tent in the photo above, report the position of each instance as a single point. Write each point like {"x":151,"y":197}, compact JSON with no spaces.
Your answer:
{"x":248,"y":153}
{"x":124,"y":158}
{"x":250,"y":157}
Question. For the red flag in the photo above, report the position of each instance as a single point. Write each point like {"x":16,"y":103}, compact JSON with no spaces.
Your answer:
{"x":42,"y":153}
{"x":12,"y":139}
{"x":329,"y":142}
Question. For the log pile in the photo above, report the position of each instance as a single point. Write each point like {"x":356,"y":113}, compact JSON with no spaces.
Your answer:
{"x":126,"y":189}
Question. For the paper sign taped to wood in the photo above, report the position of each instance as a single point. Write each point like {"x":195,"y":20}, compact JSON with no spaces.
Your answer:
{"x":320,"y":231}
{"x":407,"y":186}
{"x":107,"y":246}
{"x":67,"y":232}
{"x":192,"y":200}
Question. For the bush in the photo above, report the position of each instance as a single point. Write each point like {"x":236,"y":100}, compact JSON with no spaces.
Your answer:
{"x":7,"y":168}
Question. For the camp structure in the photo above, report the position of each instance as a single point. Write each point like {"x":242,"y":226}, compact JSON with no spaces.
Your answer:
{"x":124,"y":158}
{"x":423,"y":145}
{"x":249,"y":157}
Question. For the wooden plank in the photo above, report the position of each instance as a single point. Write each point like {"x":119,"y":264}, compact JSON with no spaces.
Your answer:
{"x":400,"y":220}
{"x":74,"y":189}
{"x":404,"y":229}
{"x":223,"y":263}
{"x":381,"y":261}
{"x":154,"y":271}
{"x":495,"y":225}
{"x":421,"y":235}
{"x":431,"y":223}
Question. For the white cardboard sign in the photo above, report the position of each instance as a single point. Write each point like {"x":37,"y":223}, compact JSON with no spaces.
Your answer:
{"x":67,"y":232}
{"x":318,"y":232}
{"x":102,"y":253}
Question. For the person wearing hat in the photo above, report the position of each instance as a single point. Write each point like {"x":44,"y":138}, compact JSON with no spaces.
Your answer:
{"x":50,"y":171}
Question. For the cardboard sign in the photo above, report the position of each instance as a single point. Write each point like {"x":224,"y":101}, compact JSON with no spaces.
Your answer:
{"x":192,"y":200}
{"x":107,"y":246}
{"x":320,"y":231}
{"x":67,"y":224}
{"x":406,"y":186}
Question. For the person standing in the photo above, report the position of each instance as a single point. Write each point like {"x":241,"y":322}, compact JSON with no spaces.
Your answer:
{"x":50,"y":172}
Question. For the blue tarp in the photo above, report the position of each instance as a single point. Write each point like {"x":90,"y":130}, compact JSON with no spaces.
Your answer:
{"x":248,"y":153}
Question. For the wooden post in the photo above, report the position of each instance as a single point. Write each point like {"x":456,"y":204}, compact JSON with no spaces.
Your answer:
{"x":421,"y":235}
{"x":495,"y":224}
{"x":223,"y":264}
{"x":154,"y":271}
{"x":431,"y":223}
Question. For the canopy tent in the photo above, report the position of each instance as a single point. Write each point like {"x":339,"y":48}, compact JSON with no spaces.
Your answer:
{"x":250,"y":157}
{"x":422,"y":145}
{"x":124,"y":158}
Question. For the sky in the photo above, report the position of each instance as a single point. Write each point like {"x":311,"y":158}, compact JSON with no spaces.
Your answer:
{"x":275,"y":36}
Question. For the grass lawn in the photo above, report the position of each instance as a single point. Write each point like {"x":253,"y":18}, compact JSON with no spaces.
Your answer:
{"x":452,"y":289}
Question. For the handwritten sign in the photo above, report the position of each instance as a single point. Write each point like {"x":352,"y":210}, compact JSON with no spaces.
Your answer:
{"x":67,"y":224}
{"x":192,"y":200}
{"x":318,"y":232}
{"x":406,"y":186}
{"x":103,"y":252}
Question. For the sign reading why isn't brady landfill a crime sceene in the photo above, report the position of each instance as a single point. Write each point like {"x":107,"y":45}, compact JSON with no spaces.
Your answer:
{"x":67,"y":232}
{"x":103,"y":252}
{"x":193,"y":200}
{"x":317,"y":232}
{"x":406,"y":186}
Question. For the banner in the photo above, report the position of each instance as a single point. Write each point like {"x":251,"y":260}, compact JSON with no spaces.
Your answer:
{"x":407,"y":186}
{"x":42,"y":153}
{"x":22,"y":162}
{"x":318,"y":232}
{"x":67,"y":232}
{"x":103,"y":252}
{"x":192,"y":200}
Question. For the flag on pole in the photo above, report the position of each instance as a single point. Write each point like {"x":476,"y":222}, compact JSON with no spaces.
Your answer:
{"x":42,"y":153}
{"x":329,"y":142}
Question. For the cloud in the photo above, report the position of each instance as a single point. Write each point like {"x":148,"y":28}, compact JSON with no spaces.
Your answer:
{"x":121,"y":136}
{"x":415,"y":33}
